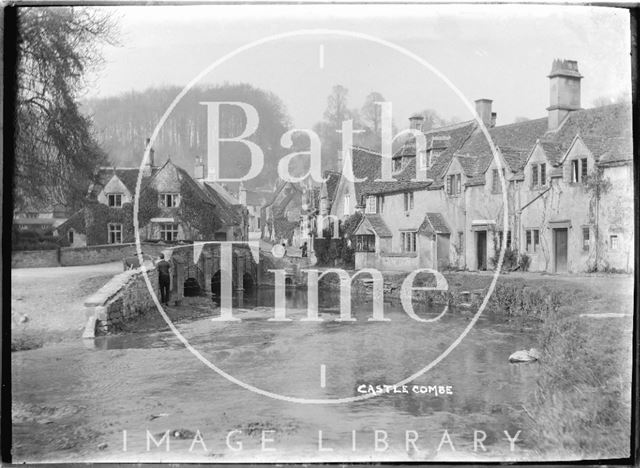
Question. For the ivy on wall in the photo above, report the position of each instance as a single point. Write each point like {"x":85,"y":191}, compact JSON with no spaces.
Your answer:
{"x":196,"y":213}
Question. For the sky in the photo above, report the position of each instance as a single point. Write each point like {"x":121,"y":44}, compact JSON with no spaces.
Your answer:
{"x":499,"y":52}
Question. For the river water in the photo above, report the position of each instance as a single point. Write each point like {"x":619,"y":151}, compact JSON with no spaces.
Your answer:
{"x":97,"y":401}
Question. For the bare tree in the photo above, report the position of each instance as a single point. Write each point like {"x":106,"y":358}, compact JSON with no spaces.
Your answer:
{"x":56,"y":153}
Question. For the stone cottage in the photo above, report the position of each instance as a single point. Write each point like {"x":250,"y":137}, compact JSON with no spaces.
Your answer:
{"x":568,"y":192}
{"x":173,"y":207}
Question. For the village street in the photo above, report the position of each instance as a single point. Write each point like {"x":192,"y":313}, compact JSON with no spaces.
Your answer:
{"x":47,"y":304}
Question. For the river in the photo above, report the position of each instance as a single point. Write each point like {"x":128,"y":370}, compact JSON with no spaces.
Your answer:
{"x":74,"y":401}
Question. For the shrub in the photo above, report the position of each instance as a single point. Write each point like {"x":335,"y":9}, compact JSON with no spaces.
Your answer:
{"x":582,"y":399}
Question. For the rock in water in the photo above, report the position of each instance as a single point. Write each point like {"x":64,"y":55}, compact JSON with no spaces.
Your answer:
{"x":523,"y":356}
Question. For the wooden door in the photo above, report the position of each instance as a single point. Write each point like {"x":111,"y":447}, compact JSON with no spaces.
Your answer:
{"x":561,"y":244}
{"x":481,"y":249}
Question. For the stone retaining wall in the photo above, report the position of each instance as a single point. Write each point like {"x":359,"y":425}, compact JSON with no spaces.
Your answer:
{"x":95,"y":254}
{"x":75,"y":256}
{"x":34,"y":259}
{"x":124,"y":298}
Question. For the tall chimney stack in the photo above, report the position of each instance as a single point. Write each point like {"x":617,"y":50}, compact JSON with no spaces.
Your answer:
{"x":564,"y":91}
{"x":483,"y":109}
{"x":149,"y":167}
{"x":416,"y":121}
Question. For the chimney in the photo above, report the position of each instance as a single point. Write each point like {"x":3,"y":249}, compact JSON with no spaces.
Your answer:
{"x":483,"y":109}
{"x":494,"y":117}
{"x":416,"y":121}
{"x":150,"y":167}
{"x":198,"y":170}
{"x":242,"y":194}
{"x":564,"y":91}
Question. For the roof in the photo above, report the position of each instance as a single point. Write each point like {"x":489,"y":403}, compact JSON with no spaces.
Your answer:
{"x":127,"y":175}
{"x":76,"y":222}
{"x":448,"y":139}
{"x":605,"y":130}
{"x":434,"y":223}
{"x":454,"y":136}
{"x":376,"y":223}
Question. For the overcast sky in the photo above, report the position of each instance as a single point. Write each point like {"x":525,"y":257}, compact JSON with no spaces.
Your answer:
{"x":502,"y":53}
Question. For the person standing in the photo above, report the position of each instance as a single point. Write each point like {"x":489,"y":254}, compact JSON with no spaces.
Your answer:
{"x":304,"y":249}
{"x":164,"y":278}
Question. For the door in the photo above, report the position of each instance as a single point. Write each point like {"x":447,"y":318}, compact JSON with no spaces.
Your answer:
{"x":481,"y":249}
{"x":442,"y":253}
{"x":560,"y":242}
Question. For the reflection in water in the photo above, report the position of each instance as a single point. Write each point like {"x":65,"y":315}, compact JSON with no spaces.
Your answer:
{"x":126,"y":381}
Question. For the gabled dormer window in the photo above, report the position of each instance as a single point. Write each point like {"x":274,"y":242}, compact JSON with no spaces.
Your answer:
{"x":371,"y":206}
{"x":114,"y":200}
{"x":538,"y":175}
{"x":169,"y":200}
{"x":454,"y":185}
{"x":579,"y":169}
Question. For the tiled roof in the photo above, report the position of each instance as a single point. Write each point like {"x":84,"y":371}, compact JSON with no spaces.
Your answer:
{"x":457,"y":135}
{"x":554,"y":151}
{"x":127,"y":175}
{"x":76,"y":221}
{"x":393,"y":187}
{"x":378,"y":225}
{"x":434,"y":223}
{"x":605,"y":130}
{"x":519,"y":136}
{"x":365,"y":163}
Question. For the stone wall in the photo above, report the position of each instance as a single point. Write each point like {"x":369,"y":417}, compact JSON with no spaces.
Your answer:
{"x":34,"y":258}
{"x":124,"y":298}
{"x":95,"y":254}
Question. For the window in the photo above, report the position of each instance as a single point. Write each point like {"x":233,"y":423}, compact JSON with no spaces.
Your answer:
{"x":500,"y":234}
{"x":579,"y":169}
{"x":168,"y":232}
{"x":613,"y":242}
{"x":169,"y":200}
{"x":397,"y":164}
{"x":70,"y":236}
{"x":114,"y":233}
{"x":532,"y":240}
{"x":583,"y":169}
{"x":585,"y":238}
{"x":366,"y":243}
{"x":408,"y":241}
{"x":31,"y":215}
{"x":454,"y":184}
{"x":346,"y":209}
{"x":114,"y":200}
{"x":538,"y":175}
{"x":380,"y":203}
{"x":496,"y":187}
{"x":371,"y":205}
{"x":408,"y":201}
{"x":461,"y":241}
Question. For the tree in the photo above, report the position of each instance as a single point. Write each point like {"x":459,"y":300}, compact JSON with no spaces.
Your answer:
{"x":337,"y":111}
{"x":370,"y":112}
{"x":55,"y":150}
